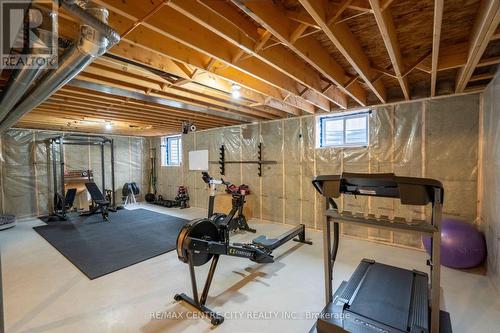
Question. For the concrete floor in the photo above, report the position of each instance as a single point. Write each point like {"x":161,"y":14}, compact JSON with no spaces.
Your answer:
{"x":44,"y":292}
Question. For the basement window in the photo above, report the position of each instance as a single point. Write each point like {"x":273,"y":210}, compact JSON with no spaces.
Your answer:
{"x":171,"y":150}
{"x":343,"y":130}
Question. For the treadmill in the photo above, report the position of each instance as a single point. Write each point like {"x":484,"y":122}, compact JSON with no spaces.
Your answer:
{"x":378,"y":297}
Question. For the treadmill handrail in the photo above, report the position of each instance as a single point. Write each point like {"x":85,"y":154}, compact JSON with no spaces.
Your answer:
{"x":410,"y":191}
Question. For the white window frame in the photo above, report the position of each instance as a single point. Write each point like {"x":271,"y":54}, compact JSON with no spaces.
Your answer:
{"x":166,"y":151}
{"x":321,"y":123}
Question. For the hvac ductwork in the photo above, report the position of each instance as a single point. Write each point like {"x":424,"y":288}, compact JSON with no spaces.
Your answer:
{"x":21,"y":79}
{"x":91,"y":20}
{"x":96,"y":37}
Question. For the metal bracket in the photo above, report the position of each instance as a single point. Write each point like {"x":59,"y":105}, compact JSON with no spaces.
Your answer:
{"x":222,"y":160}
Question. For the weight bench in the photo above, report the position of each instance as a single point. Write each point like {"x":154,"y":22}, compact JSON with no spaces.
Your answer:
{"x":99,"y":202}
{"x":69,"y":199}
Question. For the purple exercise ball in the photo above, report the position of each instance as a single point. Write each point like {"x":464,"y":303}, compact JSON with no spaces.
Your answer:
{"x":462,"y":245}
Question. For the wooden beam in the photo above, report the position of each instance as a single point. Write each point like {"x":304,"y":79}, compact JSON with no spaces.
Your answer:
{"x":252,"y":89}
{"x":416,"y":63}
{"x":436,"y":38}
{"x":58,"y":111}
{"x":192,"y":42}
{"x":346,"y":43}
{"x":495,"y":36}
{"x":273,"y":18}
{"x":388,"y":32}
{"x":235,"y":18}
{"x":351,"y":81}
{"x":183,"y":67}
{"x":338,"y":12}
{"x":77,"y":94}
{"x":262,"y":41}
{"x":480,"y":77}
{"x":386,"y":4}
{"x":485,"y":25}
{"x":478,"y":88}
{"x":298,"y":32}
{"x":489,"y":61}
{"x":302,"y":18}
{"x":278,"y":58}
{"x":345,"y":19}
{"x":135,"y":108}
{"x":160,"y":52}
{"x":360,"y":5}
{"x":218,"y":77}
{"x":385,"y":71}
{"x":145,"y":18}
{"x":91,"y":125}
{"x":183,"y":96}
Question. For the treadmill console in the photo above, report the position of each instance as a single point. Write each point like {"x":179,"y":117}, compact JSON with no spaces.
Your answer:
{"x":410,"y":190}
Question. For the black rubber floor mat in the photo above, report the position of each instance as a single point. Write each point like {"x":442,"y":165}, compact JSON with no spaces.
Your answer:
{"x":98,"y":248}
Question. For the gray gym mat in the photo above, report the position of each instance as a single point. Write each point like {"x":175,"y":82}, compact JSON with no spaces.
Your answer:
{"x":98,"y":248}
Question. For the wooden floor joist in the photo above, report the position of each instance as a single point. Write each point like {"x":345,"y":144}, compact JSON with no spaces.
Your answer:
{"x":485,"y":25}
{"x":388,"y":31}
{"x":309,"y":49}
{"x":182,"y":60}
{"x":346,"y":43}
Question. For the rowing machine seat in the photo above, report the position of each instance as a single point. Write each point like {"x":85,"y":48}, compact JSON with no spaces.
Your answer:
{"x":263,"y":241}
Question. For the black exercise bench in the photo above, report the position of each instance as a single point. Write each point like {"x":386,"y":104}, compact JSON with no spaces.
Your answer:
{"x":99,"y":202}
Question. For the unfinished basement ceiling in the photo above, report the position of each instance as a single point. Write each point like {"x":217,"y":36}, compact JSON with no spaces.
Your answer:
{"x":179,"y":60}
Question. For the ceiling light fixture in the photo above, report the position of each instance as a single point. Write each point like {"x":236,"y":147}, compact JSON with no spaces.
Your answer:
{"x":108,"y":126}
{"x":236,"y":91}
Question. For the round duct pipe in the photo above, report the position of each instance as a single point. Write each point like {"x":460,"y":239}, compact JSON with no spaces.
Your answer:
{"x":92,"y":43}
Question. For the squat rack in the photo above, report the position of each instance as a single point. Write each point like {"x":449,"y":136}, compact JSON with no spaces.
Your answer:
{"x":81,"y":140}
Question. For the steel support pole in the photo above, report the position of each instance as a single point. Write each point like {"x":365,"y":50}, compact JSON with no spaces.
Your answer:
{"x":103,"y":170}
{"x":54,"y":172}
{"x":61,"y":161}
{"x":112,"y":144}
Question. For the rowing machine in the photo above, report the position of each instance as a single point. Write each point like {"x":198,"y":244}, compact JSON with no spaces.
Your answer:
{"x":200,"y":241}
{"x":235,"y":220}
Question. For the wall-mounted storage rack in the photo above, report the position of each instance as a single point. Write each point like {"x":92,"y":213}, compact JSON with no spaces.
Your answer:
{"x":222,"y":160}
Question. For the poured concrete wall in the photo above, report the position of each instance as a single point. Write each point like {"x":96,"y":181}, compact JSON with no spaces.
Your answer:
{"x":490,"y":196}
{"x":432,"y":138}
{"x":26,"y":168}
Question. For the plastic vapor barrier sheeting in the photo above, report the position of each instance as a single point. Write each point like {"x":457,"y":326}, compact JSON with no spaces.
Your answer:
{"x":490,"y":201}
{"x":434,"y":139}
{"x":27,"y":175}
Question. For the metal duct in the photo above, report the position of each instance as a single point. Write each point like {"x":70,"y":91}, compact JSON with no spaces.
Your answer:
{"x":22,"y":78}
{"x":88,"y":18}
{"x":18,"y":84}
{"x":91,"y":44}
